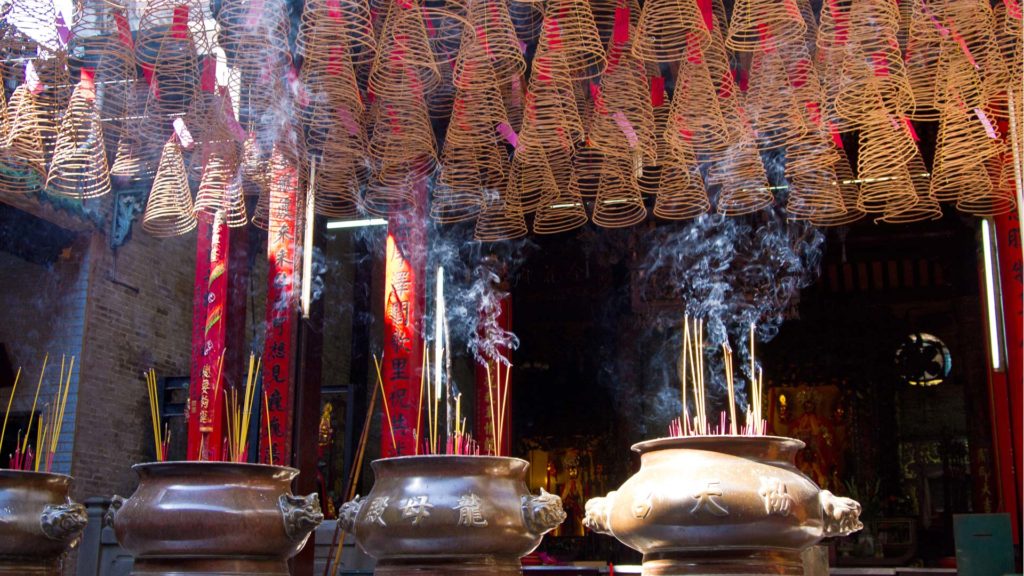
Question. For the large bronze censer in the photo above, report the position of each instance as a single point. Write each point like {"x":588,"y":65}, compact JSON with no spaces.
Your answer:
{"x":721,"y":505}
{"x":38,"y":522}
{"x":206,"y":518}
{"x":450,"y":515}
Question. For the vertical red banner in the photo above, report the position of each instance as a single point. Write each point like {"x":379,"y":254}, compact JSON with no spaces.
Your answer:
{"x":403,"y":344}
{"x":208,"y":341}
{"x":484,"y":430}
{"x":1011,"y":278}
{"x":278,"y":357}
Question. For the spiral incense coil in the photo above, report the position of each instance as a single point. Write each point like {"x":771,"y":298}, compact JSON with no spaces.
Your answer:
{"x":569,"y":28}
{"x":619,"y":202}
{"x":513,"y":98}
{"x":764,"y":24}
{"x":79,"y":167}
{"x":324,"y":22}
{"x":169,"y":210}
{"x":338,"y":187}
{"x":254,"y":35}
{"x":393,"y":188}
{"x":467,"y":173}
{"x":405,"y":60}
{"x":499,"y":221}
{"x":22,"y":162}
{"x":741,"y":175}
{"x":496,"y":36}
{"x":849,"y":189}
{"x":551,"y":120}
{"x":998,"y":198}
{"x":261,"y":214}
{"x":170,"y":27}
{"x":808,"y":93}
{"x":1010,"y":43}
{"x":776,"y":115}
{"x":650,"y":180}
{"x":814,"y":193}
{"x":873,"y":65}
{"x":832,"y":45}
{"x":52,"y":100}
{"x":174,"y":88}
{"x":923,"y":46}
{"x":926,"y":208}
{"x":562,"y":208}
{"x":886,"y":148}
{"x":102,"y":39}
{"x":401,"y":131}
{"x":695,"y":120}
{"x":529,"y":184}
{"x":682,"y":195}
{"x":668,"y":29}
{"x":811,"y":21}
{"x":623,"y":118}
{"x":254,"y":165}
{"x":220,"y":188}
{"x":337,"y":105}
{"x":999,"y":65}
{"x":959,"y":75}
{"x":963,"y":143}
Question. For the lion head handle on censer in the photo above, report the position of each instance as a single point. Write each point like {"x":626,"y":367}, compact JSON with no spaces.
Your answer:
{"x":542,"y":513}
{"x":64,"y":522}
{"x":349,"y":511}
{"x":597,"y":511}
{"x":301,"y":515}
{"x":841,"y":515}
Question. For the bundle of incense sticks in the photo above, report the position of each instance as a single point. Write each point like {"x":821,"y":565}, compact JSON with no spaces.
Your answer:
{"x":161,"y":437}
{"x":239,"y":414}
{"x":52,"y":420}
{"x":691,"y":375}
{"x":24,"y":456}
{"x":497,"y":400}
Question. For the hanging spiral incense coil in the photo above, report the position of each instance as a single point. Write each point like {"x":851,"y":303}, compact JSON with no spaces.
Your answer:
{"x":623,"y":119}
{"x":814,"y":193}
{"x":926,"y":208}
{"x":394,"y":187}
{"x":650,"y":180}
{"x":174,"y":87}
{"x":832,"y":48}
{"x":562,"y":207}
{"x":22,"y":162}
{"x":134,"y":159}
{"x":681,"y":195}
{"x":570,"y":29}
{"x":873,"y":65}
{"x":764,"y":24}
{"x":261,"y":214}
{"x":885,"y":150}
{"x":494,"y":32}
{"x":338,"y":187}
{"x":775,"y":113}
{"x":849,"y":189}
{"x":169,"y":209}
{"x":805,"y":85}
{"x":254,"y":36}
{"x":811,"y":21}
{"x":998,"y":198}
{"x":179,"y":23}
{"x":1001,"y":69}
{"x":619,"y":202}
{"x":405,"y":60}
{"x":923,"y":46}
{"x":402,"y":132}
{"x":964,"y":142}
{"x":512,"y":98}
{"x":79,"y":167}
{"x":499,"y":220}
{"x":741,"y":176}
{"x":101,"y":39}
{"x":52,"y":100}
{"x":220,"y":188}
{"x":324,"y":22}
{"x":668,"y":29}
{"x":695,"y":120}
{"x":336,"y":105}
{"x":551,"y":120}
{"x":529,"y":184}
{"x":467,"y":173}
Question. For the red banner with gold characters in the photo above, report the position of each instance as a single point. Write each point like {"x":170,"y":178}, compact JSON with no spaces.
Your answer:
{"x":209,"y":308}
{"x":278,"y":380}
{"x":1011,"y":278}
{"x":403,"y":345}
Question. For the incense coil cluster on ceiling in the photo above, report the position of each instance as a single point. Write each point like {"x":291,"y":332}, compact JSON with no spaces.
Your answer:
{"x":517,"y":115}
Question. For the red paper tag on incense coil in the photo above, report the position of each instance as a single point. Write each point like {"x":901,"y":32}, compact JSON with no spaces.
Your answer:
{"x":179,"y":22}
{"x":963,"y":44}
{"x":554,"y":33}
{"x":880,"y":64}
{"x":686,"y":133}
{"x":839,"y":17}
{"x":694,"y":54}
{"x":1013,"y":9}
{"x":813,"y":112}
{"x":334,"y":60}
{"x":124,"y":31}
{"x":481,"y":35}
{"x":765,"y":36}
{"x":657,"y":91}
{"x":595,"y":93}
{"x":542,"y":69}
{"x":740,"y":79}
{"x":793,"y":10}
{"x":801,"y":70}
{"x":208,"y":79}
{"x":334,"y":9}
{"x":910,"y":129}
{"x":620,"y":33}
{"x":833,"y":130}
{"x":725,"y":87}
{"x":707,"y":13}
{"x":87,"y":83}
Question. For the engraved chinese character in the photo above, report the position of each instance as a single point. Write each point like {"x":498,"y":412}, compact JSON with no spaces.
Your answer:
{"x":776,"y":497}
{"x":469,"y":511}
{"x":642,"y":504}
{"x":417,"y":508}
{"x":707,"y":500}
{"x":375,"y":515}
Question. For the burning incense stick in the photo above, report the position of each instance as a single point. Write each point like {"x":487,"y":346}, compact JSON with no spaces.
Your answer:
{"x":419,"y":403}
{"x":384,"y":397}
{"x":154,"y":412}
{"x":727,"y":354}
{"x":7,"y":413}
{"x":270,"y":445}
{"x":39,"y":385}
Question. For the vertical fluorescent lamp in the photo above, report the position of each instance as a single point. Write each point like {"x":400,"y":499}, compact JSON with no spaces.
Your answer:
{"x":992,"y":295}
{"x":307,"y":241}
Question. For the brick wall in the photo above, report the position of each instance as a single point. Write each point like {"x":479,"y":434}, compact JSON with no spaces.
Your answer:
{"x":137,"y":316}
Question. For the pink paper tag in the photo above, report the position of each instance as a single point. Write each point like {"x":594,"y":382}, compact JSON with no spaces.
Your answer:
{"x":989,"y":129}
{"x":63,"y":33}
{"x":32,"y":78}
{"x":184,"y":136}
{"x":657,"y":91}
{"x":509,"y":134}
{"x":836,"y":138}
{"x":348,"y":121}
{"x":910,"y":128}
{"x":627,"y":128}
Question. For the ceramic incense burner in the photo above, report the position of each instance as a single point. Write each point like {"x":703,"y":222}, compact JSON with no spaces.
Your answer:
{"x":464,"y":515}
{"x":39,"y":523}
{"x":721,"y":505}
{"x":206,"y":518}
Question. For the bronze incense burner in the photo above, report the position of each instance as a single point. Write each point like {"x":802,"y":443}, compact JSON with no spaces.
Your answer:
{"x":721,"y":505}
{"x":465,"y":515}
{"x":206,"y":518}
{"x":39,"y":523}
